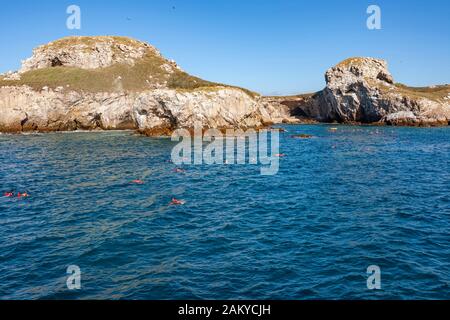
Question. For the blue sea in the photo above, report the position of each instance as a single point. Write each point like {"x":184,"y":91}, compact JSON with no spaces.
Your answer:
{"x":342,"y":201}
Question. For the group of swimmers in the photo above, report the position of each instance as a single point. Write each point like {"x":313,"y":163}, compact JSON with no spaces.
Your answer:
{"x":19,"y":195}
{"x":174,"y":201}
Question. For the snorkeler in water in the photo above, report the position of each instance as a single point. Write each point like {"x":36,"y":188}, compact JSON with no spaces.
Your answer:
{"x":19,"y":194}
{"x":177,"y":202}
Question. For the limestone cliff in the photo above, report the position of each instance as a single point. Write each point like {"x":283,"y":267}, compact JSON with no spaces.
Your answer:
{"x":363,"y":90}
{"x":24,"y":109}
{"x":118,"y":83}
{"x":88,"y":53}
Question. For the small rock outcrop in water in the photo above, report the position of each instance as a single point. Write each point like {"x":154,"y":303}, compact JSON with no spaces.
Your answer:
{"x":363,"y":90}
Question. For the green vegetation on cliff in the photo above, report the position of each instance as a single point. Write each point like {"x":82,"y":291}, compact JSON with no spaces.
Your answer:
{"x":149,"y":72}
{"x":146,"y":73}
{"x":435,"y":93}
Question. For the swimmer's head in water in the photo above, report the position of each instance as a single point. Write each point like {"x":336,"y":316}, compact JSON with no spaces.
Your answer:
{"x":177,"y":202}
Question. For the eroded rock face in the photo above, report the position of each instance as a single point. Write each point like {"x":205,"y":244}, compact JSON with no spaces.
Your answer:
{"x":158,"y":108}
{"x":90,"y":53}
{"x":297,"y":109}
{"x":24,"y":109}
{"x":363,"y":90}
{"x":212,"y":108}
{"x":352,"y":93}
{"x":358,"y":90}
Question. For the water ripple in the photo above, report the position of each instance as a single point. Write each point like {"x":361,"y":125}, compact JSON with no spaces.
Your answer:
{"x":341,"y":202}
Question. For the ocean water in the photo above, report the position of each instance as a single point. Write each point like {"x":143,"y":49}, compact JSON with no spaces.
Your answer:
{"x":342,"y":201}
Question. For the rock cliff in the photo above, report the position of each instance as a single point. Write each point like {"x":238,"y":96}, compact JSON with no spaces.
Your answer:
{"x":61,"y":109}
{"x":363,"y":90}
{"x":120,"y":83}
{"x":88,"y":53}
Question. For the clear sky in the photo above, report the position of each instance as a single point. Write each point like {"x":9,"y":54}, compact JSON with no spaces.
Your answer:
{"x":270,"y":46}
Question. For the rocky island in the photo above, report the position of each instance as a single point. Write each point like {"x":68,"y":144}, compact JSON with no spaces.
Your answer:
{"x":362,"y":90}
{"x":106,"y":83}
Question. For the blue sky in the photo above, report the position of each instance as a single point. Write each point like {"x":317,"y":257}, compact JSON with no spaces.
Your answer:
{"x":273,"y":47}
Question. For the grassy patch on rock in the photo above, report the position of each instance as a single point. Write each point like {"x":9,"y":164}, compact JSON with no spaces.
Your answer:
{"x":150,"y":72}
{"x":145,"y":74}
{"x":435,"y":93}
{"x":351,"y":61}
{"x":90,"y":42}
